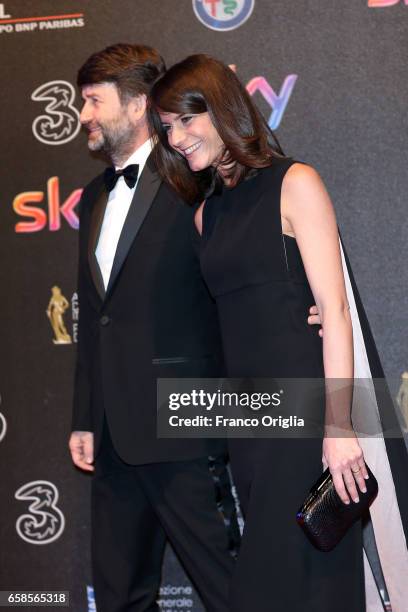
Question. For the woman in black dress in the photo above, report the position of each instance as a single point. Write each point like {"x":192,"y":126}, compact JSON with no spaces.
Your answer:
{"x":269,"y":249}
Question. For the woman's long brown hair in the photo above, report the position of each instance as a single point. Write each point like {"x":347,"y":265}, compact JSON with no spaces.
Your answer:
{"x":202,"y":84}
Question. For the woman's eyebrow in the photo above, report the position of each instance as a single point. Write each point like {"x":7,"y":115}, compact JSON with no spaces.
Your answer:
{"x":175,"y":117}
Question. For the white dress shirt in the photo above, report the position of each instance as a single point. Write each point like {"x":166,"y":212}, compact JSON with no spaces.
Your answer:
{"x":117,"y":208}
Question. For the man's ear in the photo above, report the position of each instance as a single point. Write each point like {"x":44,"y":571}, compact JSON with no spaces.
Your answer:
{"x":137,"y":107}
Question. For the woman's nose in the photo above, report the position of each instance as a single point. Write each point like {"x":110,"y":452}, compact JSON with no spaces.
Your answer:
{"x":176,"y":136}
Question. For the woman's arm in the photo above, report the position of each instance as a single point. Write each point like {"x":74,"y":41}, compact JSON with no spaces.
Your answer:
{"x":308,"y":215}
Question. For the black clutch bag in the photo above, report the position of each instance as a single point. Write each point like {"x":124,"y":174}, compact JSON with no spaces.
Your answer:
{"x":325,"y":518}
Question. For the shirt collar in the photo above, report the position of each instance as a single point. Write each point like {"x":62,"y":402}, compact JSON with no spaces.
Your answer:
{"x":139,"y":156}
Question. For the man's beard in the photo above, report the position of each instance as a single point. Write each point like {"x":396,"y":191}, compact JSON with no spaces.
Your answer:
{"x":115,"y":138}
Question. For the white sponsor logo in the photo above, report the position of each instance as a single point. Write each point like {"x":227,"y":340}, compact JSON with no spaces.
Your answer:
{"x":61,"y":123}
{"x":3,"y":426}
{"x":3,"y":422}
{"x":38,"y":23}
{"x":3,"y":14}
{"x":91,"y":598}
{"x":45,"y":522}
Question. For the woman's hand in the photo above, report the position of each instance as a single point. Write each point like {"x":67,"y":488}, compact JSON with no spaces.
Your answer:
{"x":314,"y":319}
{"x":345,"y":460}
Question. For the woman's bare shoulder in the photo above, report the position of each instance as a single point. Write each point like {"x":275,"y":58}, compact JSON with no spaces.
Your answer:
{"x":301,"y":175}
{"x":303,"y":187}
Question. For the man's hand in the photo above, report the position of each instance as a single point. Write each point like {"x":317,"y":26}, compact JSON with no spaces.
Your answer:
{"x":314,"y":319}
{"x":81,"y":445}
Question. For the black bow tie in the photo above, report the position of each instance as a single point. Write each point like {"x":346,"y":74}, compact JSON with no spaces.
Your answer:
{"x":129,"y":174}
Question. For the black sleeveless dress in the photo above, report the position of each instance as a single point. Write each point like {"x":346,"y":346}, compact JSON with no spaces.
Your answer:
{"x":256,"y":276}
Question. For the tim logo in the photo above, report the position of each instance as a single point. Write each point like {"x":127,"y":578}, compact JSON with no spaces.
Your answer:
{"x":60,"y":122}
{"x":223,"y":15}
{"x":44,"y":522}
{"x":384,"y":3}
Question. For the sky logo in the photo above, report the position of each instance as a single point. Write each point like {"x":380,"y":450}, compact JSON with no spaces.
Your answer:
{"x":38,"y":219}
{"x":277,"y":102}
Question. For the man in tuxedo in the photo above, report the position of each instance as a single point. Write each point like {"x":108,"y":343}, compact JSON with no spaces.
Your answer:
{"x":144,"y":313}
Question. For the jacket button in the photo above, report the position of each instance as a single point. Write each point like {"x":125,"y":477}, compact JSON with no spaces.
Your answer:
{"x":105,"y":320}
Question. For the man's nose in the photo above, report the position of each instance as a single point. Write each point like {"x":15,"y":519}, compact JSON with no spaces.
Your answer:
{"x":85,"y":115}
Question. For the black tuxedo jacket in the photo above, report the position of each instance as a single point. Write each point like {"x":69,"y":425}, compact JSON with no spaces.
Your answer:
{"x":156,"y":319}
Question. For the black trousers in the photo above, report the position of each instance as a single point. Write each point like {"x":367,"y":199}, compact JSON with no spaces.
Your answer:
{"x":135,"y":509}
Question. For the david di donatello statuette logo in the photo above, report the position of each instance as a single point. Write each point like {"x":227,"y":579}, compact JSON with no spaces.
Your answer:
{"x":56,"y":308}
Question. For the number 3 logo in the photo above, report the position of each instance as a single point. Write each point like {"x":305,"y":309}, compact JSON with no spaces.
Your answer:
{"x":61,"y":123}
{"x":45,"y":522}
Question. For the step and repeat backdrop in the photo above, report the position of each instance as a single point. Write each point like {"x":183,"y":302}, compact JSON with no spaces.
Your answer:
{"x":330,"y":76}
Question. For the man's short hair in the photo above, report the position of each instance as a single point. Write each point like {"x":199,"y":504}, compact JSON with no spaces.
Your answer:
{"x":132,"y":68}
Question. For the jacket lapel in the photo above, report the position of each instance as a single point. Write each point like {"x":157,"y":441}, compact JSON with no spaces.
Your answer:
{"x":97,"y":214}
{"x":146,"y":190}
